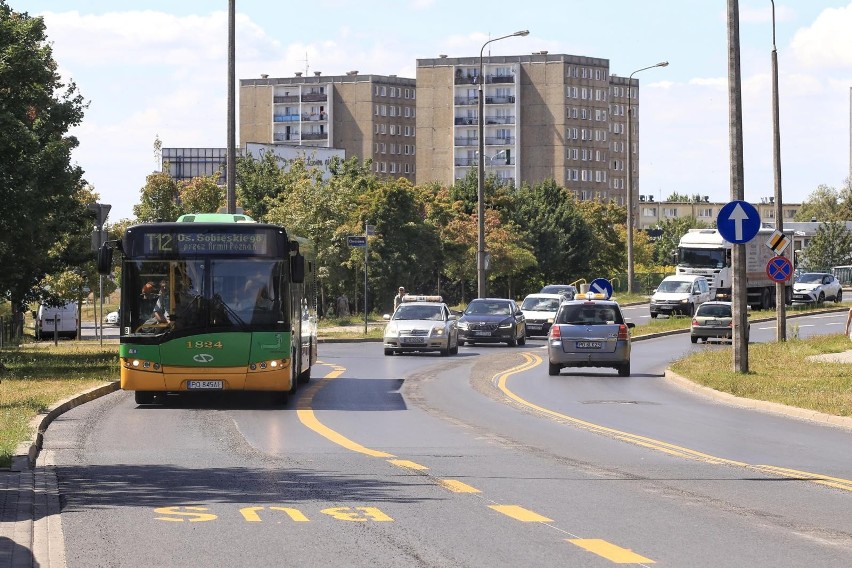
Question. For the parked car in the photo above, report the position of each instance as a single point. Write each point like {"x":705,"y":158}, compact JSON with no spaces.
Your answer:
{"x":112,"y":318}
{"x":539,"y":311}
{"x":59,"y":320}
{"x":422,"y":324}
{"x":589,"y":333}
{"x":816,"y":287}
{"x":714,"y":320}
{"x":493,"y":320}
{"x":567,"y":290}
{"x":680,"y":295}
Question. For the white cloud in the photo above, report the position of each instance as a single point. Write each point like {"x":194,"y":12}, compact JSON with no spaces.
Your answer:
{"x":826,"y":43}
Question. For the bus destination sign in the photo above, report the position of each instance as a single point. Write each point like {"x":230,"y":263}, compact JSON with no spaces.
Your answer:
{"x":207,"y":242}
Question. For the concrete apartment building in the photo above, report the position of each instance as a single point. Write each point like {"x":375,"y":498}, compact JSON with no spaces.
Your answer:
{"x":651,"y":212}
{"x":546,"y":116}
{"x":368,"y":116}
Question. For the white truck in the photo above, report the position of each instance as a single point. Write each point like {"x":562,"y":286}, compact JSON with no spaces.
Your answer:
{"x":706,"y":252}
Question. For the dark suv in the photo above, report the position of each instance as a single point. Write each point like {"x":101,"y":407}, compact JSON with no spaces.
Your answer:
{"x":493,"y":320}
{"x":567,"y":290}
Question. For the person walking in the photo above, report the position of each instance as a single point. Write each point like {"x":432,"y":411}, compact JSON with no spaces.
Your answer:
{"x":397,"y":300}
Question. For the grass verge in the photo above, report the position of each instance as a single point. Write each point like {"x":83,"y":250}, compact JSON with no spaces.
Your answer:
{"x":39,"y":376}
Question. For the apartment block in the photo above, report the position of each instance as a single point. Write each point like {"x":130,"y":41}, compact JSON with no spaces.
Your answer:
{"x":546,"y":116}
{"x":368,"y":116}
{"x":652,"y":213}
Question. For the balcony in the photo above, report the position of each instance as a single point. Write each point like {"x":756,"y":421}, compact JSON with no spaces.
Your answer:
{"x":495,"y":79}
{"x":465,"y":79}
{"x":285,"y":99}
{"x":466,"y":101}
{"x":499,"y":120}
{"x":510,"y":99}
{"x":315,"y":117}
{"x":495,"y":141}
{"x":465,"y":162}
{"x":314,"y":97}
{"x":282,"y":137}
{"x":466,"y":120}
{"x":463,"y":141}
{"x":286,"y":118}
{"x":315,"y":136}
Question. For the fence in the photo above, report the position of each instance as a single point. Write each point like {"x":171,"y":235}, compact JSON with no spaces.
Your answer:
{"x":8,"y":334}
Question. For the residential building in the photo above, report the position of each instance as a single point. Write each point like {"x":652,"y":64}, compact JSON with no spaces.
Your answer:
{"x":546,"y":116}
{"x":651,"y":212}
{"x":368,"y":116}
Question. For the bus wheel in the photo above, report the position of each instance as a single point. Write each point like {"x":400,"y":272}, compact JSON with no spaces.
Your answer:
{"x":144,"y":397}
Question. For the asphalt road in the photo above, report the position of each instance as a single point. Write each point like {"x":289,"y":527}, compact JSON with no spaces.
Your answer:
{"x":475,"y":460}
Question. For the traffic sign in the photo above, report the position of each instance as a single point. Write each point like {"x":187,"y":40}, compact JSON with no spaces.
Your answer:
{"x":738,"y":222}
{"x":779,"y":268}
{"x":601,"y":286}
{"x":778,"y":242}
{"x":357,"y":241}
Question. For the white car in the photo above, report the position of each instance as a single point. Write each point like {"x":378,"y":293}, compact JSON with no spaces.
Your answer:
{"x":816,"y":287}
{"x":111,"y":318}
{"x":422,"y":323}
{"x":539,"y":311}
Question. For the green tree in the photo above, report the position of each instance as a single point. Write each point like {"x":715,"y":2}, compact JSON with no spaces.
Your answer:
{"x":158,"y":199}
{"x":201,"y":195}
{"x":673,"y":229}
{"x":830,"y":246}
{"x":677,"y":197}
{"x":258,"y":182}
{"x":38,"y":183}
{"x":823,"y":204}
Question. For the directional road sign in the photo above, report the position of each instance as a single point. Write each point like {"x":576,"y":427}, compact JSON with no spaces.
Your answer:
{"x":779,"y":268}
{"x":778,"y":242}
{"x":356,"y":241}
{"x":738,"y":222}
{"x":601,"y":286}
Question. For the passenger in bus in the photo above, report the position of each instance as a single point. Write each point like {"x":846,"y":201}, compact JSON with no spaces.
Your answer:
{"x":263,"y":302}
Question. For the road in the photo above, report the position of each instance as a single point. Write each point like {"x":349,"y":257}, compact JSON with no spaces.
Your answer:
{"x":475,"y":460}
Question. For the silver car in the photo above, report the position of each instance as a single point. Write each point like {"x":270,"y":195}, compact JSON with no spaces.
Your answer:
{"x":589,"y":333}
{"x":816,"y":287}
{"x":422,"y":323}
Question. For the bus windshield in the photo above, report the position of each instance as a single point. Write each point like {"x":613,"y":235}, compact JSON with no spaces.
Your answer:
{"x":204,"y":295}
{"x":701,"y":257}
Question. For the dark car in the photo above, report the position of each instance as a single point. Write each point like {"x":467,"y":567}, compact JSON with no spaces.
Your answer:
{"x":589,"y":333}
{"x":492,"y":320}
{"x":567,"y":290}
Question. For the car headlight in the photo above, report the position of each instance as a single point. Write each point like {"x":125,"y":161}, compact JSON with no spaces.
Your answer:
{"x":685,"y":301}
{"x":438,"y":332}
{"x":506,"y":324}
{"x":462,"y":325}
{"x":391,"y":329}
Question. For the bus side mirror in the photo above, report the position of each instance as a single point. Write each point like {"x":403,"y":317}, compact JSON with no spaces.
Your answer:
{"x":104,"y":259}
{"x":297,"y":269}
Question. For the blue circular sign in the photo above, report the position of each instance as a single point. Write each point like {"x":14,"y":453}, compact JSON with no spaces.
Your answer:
{"x":738,"y":222}
{"x":779,"y":268}
{"x":601,"y":286}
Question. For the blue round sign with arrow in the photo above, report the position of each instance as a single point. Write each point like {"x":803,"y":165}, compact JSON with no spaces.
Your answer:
{"x":738,"y":222}
{"x":601,"y":286}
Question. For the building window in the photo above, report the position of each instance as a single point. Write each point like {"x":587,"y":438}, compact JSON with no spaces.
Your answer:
{"x":649,"y":211}
{"x":705,"y":212}
{"x":383,"y":148}
{"x":670,"y":212}
{"x":383,"y":93}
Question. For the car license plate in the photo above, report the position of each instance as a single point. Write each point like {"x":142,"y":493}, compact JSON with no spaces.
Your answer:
{"x":484,"y":333}
{"x":413,"y":340}
{"x":204,"y":385}
{"x":588,"y":345}
{"x":534,"y":325}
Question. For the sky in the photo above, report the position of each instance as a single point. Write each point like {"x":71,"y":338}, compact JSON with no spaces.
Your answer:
{"x":161,"y":72}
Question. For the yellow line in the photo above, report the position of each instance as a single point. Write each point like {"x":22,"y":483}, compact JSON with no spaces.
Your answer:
{"x":308,"y":419}
{"x":407,"y":464}
{"x":457,"y":486}
{"x":520,"y":514}
{"x":532,"y":360}
{"x":610,"y":551}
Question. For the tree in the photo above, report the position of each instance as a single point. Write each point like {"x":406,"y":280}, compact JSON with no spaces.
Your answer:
{"x":159,"y":199}
{"x":201,"y":195}
{"x":677,"y":197}
{"x":38,"y":183}
{"x":673,"y":229}
{"x":830,"y":246}
{"x":823,"y":204}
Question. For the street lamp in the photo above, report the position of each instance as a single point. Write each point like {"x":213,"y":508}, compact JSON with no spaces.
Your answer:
{"x":630,"y":173}
{"x":480,"y":177}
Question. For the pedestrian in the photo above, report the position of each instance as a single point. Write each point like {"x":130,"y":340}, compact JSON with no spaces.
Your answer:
{"x":848,"y":321}
{"x":397,"y":300}
{"x":342,"y":306}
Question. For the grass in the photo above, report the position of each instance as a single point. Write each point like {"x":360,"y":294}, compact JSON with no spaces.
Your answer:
{"x":37,"y":376}
{"x":779,"y":374}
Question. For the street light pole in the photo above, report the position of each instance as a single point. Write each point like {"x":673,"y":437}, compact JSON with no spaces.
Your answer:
{"x":480,"y":172}
{"x":630,"y":173}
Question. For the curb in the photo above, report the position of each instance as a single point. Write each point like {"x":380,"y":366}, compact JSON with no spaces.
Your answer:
{"x":27,"y":452}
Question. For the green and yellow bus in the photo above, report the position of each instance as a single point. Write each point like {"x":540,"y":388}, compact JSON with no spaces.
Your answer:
{"x":214,"y":302}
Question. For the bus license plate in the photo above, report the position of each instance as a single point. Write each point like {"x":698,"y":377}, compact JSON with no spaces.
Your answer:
{"x":204,"y":385}
{"x":588,"y":345}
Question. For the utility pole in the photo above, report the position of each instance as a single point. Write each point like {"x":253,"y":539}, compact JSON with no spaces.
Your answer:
{"x":780,"y":287}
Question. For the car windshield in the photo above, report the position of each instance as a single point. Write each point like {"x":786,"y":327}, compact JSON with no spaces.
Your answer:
{"x":540,"y":304}
{"x":484,"y":308}
{"x":589,"y":314}
{"x":415,"y":312}
{"x":558,"y":289}
{"x":675,"y":286}
{"x":810,"y":278}
{"x":714,"y":311}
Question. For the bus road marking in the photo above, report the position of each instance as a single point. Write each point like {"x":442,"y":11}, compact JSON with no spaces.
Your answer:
{"x":520,"y":514}
{"x":250,"y":513}
{"x":610,"y":551}
{"x":180,"y":512}
{"x":457,"y":486}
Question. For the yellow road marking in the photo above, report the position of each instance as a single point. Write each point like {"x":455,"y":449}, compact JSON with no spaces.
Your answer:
{"x":457,"y":486}
{"x":308,"y":419}
{"x":407,"y":464}
{"x":520,"y":514}
{"x":533,"y":360}
{"x":610,"y":551}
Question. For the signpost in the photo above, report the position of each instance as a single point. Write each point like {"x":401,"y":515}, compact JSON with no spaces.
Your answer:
{"x":356,"y":241}
{"x":601,"y":286}
{"x":101,"y":211}
{"x":779,"y":268}
{"x":778,"y":242}
{"x":738,"y":222}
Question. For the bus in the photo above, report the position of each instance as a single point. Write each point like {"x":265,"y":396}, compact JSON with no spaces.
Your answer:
{"x":214,"y":302}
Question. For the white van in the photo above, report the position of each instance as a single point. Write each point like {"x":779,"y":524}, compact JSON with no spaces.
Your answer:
{"x":62,"y":319}
{"x":681,"y":294}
